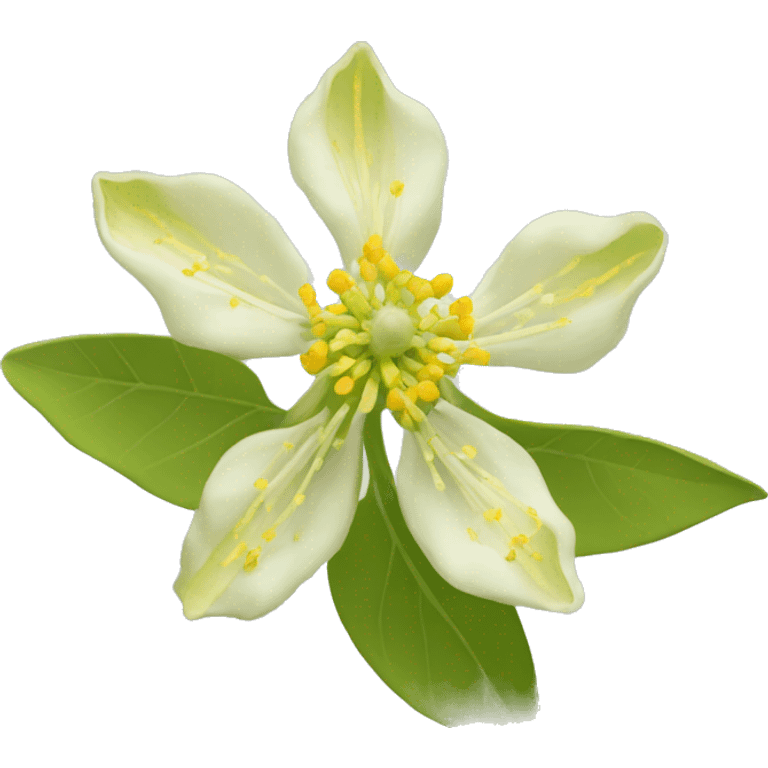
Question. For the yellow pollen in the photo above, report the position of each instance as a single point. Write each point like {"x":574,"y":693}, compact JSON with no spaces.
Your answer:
{"x":476,"y":356}
{"x":288,"y":446}
{"x":387,"y":267}
{"x":517,"y":541}
{"x":340,"y":281}
{"x":430,"y":372}
{"x":252,"y":559}
{"x":336,"y":309}
{"x":296,"y":536}
{"x":461,"y":307}
{"x":344,"y":385}
{"x":492,"y":514}
{"x":395,"y":400}
{"x":428,"y":391}
{"x":467,"y":324}
{"x":396,"y":188}
{"x":472,"y":534}
{"x":469,"y":451}
{"x":298,"y":499}
{"x":511,"y":555}
{"x":373,"y":243}
{"x":367,"y":270}
{"x":442,"y":344}
{"x":188,"y":272}
{"x":234,"y":301}
{"x":319,"y":329}
{"x":420,"y":288}
{"x":319,"y":350}
{"x":307,"y":295}
{"x":412,"y":393}
{"x":442,"y":284}
{"x":268,"y":535}
{"x":312,"y":365}
{"x":234,"y":554}
{"x":261,"y":483}
{"x":537,"y":556}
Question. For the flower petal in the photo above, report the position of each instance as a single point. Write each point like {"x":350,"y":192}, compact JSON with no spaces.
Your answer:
{"x":560,"y":295}
{"x":242,"y":563}
{"x":370,"y":159}
{"x":221,"y":268}
{"x":494,"y":531}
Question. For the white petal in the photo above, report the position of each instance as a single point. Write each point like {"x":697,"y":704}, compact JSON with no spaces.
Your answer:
{"x":351,"y":138}
{"x":243,"y":302}
{"x":560,"y":295}
{"x":311,"y":535}
{"x":465,"y":548}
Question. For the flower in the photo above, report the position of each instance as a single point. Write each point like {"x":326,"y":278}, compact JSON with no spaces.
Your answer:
{"x":372,"y":162}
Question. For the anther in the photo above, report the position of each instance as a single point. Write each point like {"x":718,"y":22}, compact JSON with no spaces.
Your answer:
{"x":252,"y":559}
{"x":387,"y":267}
{"x":428,"y":391}
{"x":261,"y":483}
{"x":344,"y":385}
{"x":368,"y":271}
{"x":442,"y":284}
{"x":475,"y":356}
{"x":396,"y":188}
{"x":307,"y":295}
{"x":492,"y":514}
{"x":269,"y":534}
{"x":340,"y":281}
{"x":461,"y":307}
{"x":395,"y":400}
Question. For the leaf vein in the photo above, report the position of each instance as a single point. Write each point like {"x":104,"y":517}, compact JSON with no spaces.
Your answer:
{"x":125,"y":360}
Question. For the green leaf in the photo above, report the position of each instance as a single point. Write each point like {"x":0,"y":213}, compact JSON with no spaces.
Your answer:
{"x":453,"y":657}
{"x":157,"y":411}
{"x":620,"y":490}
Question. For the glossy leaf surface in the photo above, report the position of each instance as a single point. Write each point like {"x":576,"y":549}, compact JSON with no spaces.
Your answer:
{"x":157,"y":411}
{"x":453,"y":657}
{"x":620,"y":490}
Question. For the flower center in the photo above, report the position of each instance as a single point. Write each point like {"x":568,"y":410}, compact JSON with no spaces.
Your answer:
{"x":390,"y":328}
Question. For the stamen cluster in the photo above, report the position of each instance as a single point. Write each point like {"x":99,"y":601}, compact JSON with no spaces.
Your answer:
{"x":390,"y":328}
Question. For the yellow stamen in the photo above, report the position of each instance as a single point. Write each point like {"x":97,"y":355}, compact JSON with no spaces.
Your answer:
{"x":269,"y":534}
{"x":461,"y":307}
{"x":395,"y":400}
{"x":340,"y":281}
{"x":252,"y":559}
{"x":319,"y":329}
{"x":476,"y":356}
{"x":430,"y":372}
{"x":307,"y":295}
{"x":387,"y":266}
{"x":344,"y":385}
{"x":396,"y":188}
{"x":336,"y":309}
{"x":234,"y":554}
{"x":234,"y":301}
{"x":492,"y":514}
{"x":442,"y":284}
{"x":472,"y":534}
{"x":261,"y":483}
{"x":469,"y":451}
{"x":367,"y":270}
{"x":467,"y":324}
{"x":428,"y":391}
{"x":511,"y":555}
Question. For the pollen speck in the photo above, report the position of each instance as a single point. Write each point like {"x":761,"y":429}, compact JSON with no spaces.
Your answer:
{"x":396,"y":188}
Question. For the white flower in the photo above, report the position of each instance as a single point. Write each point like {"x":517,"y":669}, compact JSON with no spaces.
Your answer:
{"x":278,"y":504}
